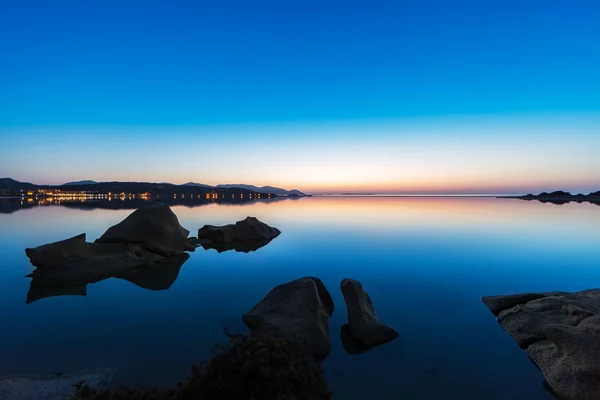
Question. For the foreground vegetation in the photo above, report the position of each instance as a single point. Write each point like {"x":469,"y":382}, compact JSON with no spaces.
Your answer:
{"x":246,"y":368}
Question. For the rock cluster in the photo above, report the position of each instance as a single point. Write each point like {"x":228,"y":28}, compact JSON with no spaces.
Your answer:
{"x":300,"y":310}
{"x":560,"y":332}
{"x":147,"y":248}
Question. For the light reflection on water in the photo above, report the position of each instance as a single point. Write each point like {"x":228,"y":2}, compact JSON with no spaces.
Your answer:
{"x":424,"y":261}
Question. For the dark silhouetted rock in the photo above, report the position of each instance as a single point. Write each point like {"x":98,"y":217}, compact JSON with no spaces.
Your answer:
{"x":299,"y":311}
{"x":351,"y":345}
{"x":76,"y":256}
{"x":247,"y":230}
{"x":155,"y":227}
{"x":496,"y":304}
{"x":366,"y":330}
{"x":560,"y":332}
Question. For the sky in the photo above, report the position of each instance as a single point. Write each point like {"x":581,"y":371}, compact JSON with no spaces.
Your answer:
{"x":323,"y":96}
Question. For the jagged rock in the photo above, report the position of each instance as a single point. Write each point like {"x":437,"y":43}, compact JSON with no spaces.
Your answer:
{"x":249,"y":229}
{"x":72,"y":256}
{"x":52,"y":387}
{"x":364,"y":327}
{"x":155,"y":227}
{"x":496,"y":304}
{"x":560,"y":332}
{"x":297,"y":310}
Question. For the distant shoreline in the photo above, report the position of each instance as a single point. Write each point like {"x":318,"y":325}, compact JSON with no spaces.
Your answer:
{"x":411,"y":195}
{"x":559,"y":197}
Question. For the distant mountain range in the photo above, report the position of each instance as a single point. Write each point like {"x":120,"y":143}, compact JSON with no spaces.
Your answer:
{"x":11,"y":185}
{"x":194,"y":184}
{"x":262,"y":189}
{"x":79,"y":183}
{"x":266,"y":189}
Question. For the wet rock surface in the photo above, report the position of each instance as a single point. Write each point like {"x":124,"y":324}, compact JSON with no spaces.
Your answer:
{"x":154,"y":227}
{"x":296,"y":310}
{"x":560,"y":332}
{"x":364,"y":330}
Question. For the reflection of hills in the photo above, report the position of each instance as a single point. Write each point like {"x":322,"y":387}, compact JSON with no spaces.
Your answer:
{"x":11,"y":205}
{"x":73,"y":281}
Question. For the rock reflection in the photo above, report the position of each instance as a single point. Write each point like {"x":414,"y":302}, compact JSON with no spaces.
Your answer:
{"x":240,"y":247}
{"x":64,"y":281}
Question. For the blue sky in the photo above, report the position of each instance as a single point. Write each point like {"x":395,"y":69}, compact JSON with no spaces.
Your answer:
{"x":340,"y":85}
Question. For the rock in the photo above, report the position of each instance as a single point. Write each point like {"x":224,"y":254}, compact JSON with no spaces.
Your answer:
{"x":52,"y":387}
{"x":560,"y":332}
{"x":155,"y":227}
{"x":364,"y":327}
{"x":249,"y":229}
{"x":297,"y":310}
{"x":76,"y":256}
{"x":499,"y":303}
{"x":351,"y":345}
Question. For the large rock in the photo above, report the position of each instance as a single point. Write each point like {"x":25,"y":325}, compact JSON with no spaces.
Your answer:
{"x":299,"y":311}
{"x":363,"y":324}
{"x":560,"y":332}
{"x":247,"y":230}
{"x":75,"y":255}
{"x":155,"y":227}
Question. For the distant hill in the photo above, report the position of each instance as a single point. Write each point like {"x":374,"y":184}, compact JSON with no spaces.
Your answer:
{"x":11,"y":184}
{"x":264,"y":189}
{"x":194,"y":184}
{"x":79,"y":183}
{"x":561,"y":197}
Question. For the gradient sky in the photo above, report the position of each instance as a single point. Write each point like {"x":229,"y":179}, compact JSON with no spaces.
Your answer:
{"x":410,"y":97}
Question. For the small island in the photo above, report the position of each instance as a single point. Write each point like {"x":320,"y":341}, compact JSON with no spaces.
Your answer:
{"x":560,"y":197}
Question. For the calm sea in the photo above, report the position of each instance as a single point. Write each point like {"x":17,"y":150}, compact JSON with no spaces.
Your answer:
{"x":424,"y":261}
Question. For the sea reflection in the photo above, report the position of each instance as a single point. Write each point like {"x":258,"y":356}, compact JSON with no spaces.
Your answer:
{"x":426,"y":262}
{"x":11,"y":205}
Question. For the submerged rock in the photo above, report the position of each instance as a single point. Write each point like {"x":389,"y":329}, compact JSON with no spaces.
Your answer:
{"x":364,"y":327}
{"x":247,"y":230}
{"x":560,"y":332}
{"x":297,"y":310}
{"x":155,"y":227}
{"x":52,"y":387}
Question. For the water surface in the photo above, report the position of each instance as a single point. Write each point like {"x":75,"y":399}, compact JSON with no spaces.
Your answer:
{"x":424,"y":261}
